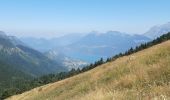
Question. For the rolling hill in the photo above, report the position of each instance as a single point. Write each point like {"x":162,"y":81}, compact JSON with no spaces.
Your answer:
{"x":144,"y":75}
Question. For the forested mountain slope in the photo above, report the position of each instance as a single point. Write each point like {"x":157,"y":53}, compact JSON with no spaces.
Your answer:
{"x":19,"y":63}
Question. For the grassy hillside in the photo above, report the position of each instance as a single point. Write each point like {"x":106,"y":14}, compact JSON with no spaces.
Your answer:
{"x":142,"y":75}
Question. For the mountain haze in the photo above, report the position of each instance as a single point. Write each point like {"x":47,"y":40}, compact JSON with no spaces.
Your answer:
{"x":44,"y":45}
{"x":89,"y":47}
{"x":158,"y":30}
{"x":23,"y":58}
{"x":95,"y":45}
{"x":68,"y":62}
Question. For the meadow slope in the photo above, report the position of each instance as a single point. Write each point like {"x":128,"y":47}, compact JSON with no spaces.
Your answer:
{"x":144,"y":75}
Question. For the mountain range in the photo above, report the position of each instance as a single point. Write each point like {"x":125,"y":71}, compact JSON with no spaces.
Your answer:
{"x":26,"y":59}
{"x":90,"y":47}
{"x":102,"y":45}
{"x":158,"y":30}
{"x":44,"y":45}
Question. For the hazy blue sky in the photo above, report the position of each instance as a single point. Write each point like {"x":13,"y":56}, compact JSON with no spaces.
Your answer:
{"x":52,"y":17}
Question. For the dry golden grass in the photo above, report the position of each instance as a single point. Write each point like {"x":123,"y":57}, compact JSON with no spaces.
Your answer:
{"x":141,"y":76}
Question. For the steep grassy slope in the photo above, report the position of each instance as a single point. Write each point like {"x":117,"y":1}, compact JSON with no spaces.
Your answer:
{"x":144,"y":75}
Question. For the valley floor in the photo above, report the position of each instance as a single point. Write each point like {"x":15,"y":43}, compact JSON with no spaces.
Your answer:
{"x":144,"y":75}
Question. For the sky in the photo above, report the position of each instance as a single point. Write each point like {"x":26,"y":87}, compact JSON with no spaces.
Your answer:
{"x":52,"y":18}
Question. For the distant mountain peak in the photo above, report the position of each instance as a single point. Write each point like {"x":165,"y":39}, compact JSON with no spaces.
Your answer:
{"x":95,"y":33}
{"x":3,"y":34}
{"x":113,"y":32}
{"x":158,"y":30}
{"x":117,"y":33}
